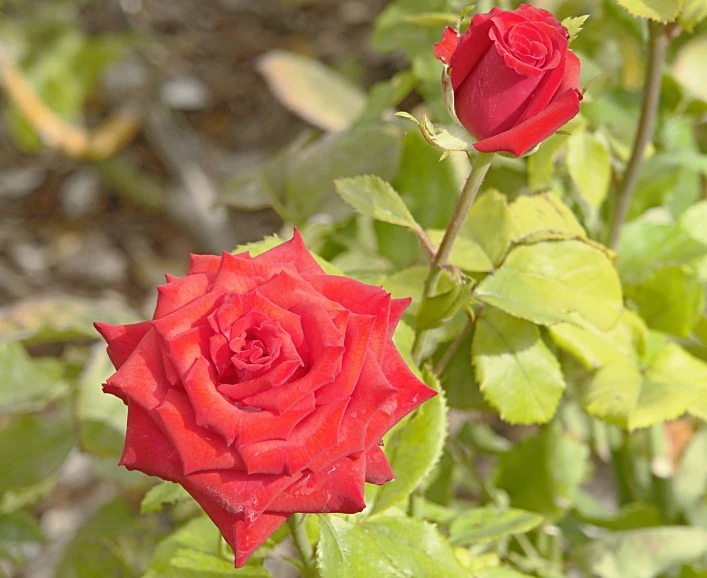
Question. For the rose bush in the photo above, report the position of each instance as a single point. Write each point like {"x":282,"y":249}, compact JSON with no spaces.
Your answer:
{"x":510,"y":79}
{"x":263,"y":386}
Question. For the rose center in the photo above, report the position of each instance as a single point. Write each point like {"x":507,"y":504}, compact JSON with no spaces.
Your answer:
{"x":256,"y":348}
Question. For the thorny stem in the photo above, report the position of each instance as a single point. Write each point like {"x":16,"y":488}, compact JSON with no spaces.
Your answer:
{"x":658,"y":40}
{"x":480,"y":166}
{"x":302,"y":544}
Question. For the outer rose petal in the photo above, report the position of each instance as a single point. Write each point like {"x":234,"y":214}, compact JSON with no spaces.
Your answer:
{"x":338,"y":488}
{"x":315,"y":434}
{"x":178,"y":293}
{"x":238,"y":273}
{"x":473,"y":45}
{"x":446,"y":47}
{"x":378,"y":470}
{"x":191,"y":315}
{"x":122,"y":339}
{"x":141,"y":378}
{"x":208,"y":264}
{"x":493,"y":96}
{"x":397,"y":309}
{"x":293,"y":253}
{"x":523,"y":137}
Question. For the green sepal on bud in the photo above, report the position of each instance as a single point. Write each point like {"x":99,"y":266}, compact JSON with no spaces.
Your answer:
{"x":448,"y":137}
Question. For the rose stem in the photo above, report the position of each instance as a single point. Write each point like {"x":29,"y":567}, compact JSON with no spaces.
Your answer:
{"x":657,"y":46}
{"x":302,"y":544}
{"x":479,"y":167}
{"x":453,"y":348}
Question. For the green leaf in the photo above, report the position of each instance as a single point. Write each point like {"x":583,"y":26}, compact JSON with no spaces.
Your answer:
{"x":435,"y":311}
{"x":60,"y":318}
{"x":693,"y":12}
{"x":98,"y":547}
{"x":594,"y":348}
{"x":622,"y":395}
{"x":406,"y":283}
{"x":309,"y":186}
{"x":499,"y":572}
{"x":209,"y":565}
{"x":385,"y":95}
{"x":552,"y":282}
{"x":541,"y":165}
{"x":629,"y":517}
{"x":482,"y":525}
{"x":414,"y":449}
{"x":373,"y":197}
{"x":466,"y":253}
{"x":22,"y":462}
{"x":384,"y":547}
{"x":518,"y":375}
{"x":17,"y":531}
{"x":555,"y":463}
{"x":543,"y":217}
{"x":489,"y":225}
{"x":693,"y":222}
{"x":671,"y":300}
{"x":589,"y":166}
{"x":644,"y":553}
{"x":660,"y":10}
{"x":315,"y":92}
{"x":645,"y":247}
{"x":28,"y":384}
{"x":161,"y":494}
{"x":574,"y":25}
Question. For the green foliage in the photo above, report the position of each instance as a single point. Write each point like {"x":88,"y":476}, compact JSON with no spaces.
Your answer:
{"x":557,"y":465}
{"x":386,"y":546}
{"x":488,"y":525}
{"x":161,"y":494}
{"x":551,"y":282}
{"x":517,"y":373}
{"x":660,"y":10}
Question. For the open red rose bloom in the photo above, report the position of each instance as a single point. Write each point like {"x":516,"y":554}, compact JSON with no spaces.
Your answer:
{"x":263,"y":386}
{"x":513,"y":78}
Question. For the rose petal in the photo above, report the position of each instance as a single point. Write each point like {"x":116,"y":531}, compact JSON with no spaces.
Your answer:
{"x":259,"y":426}
{"x":397,"y":309}
{"x":243,"y":274}
{"x":372,"y":392}
{"x":274,"y":378}
{"x":291,"y":323}
{"x":524,"y":136}
{"x":358,"y":332}
{"x":210,"y":407}
{"x":358,"y":298}
{"x":338,"y":488}
{"x":378,"y":470}
{"x":122,"y":339}
{"x":207,"y":264}
{"x":287,"y":291}
{"x":147,"y":449}
{"x":493,"y":96}
{"x":245,"y":495}
{"x":533,"y":14}
{"x":544,"y":93}
{"x":292,"y":253}
{"x":411,"y":393}
{"x":473,"y":45}
{"x":178,"y":293}
{"x":446,"y":47}
{"x":315,"y":434}
{"x":185,"y":348}
{"x":141,"y":378}
{"x":197,"y":448}
{"x":244,"y":540}
{"x":189,"y":316}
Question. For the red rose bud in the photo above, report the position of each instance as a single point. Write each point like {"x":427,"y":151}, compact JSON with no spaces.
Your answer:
{"x":263,"y":386}
{"x":513,"y":79}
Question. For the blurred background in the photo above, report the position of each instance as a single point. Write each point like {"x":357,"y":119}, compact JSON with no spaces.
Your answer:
{"x":133,"y":132}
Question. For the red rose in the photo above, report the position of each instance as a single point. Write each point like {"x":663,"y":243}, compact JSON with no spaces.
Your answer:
{"x":513,"y":79}
{"x":263,"y":386}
